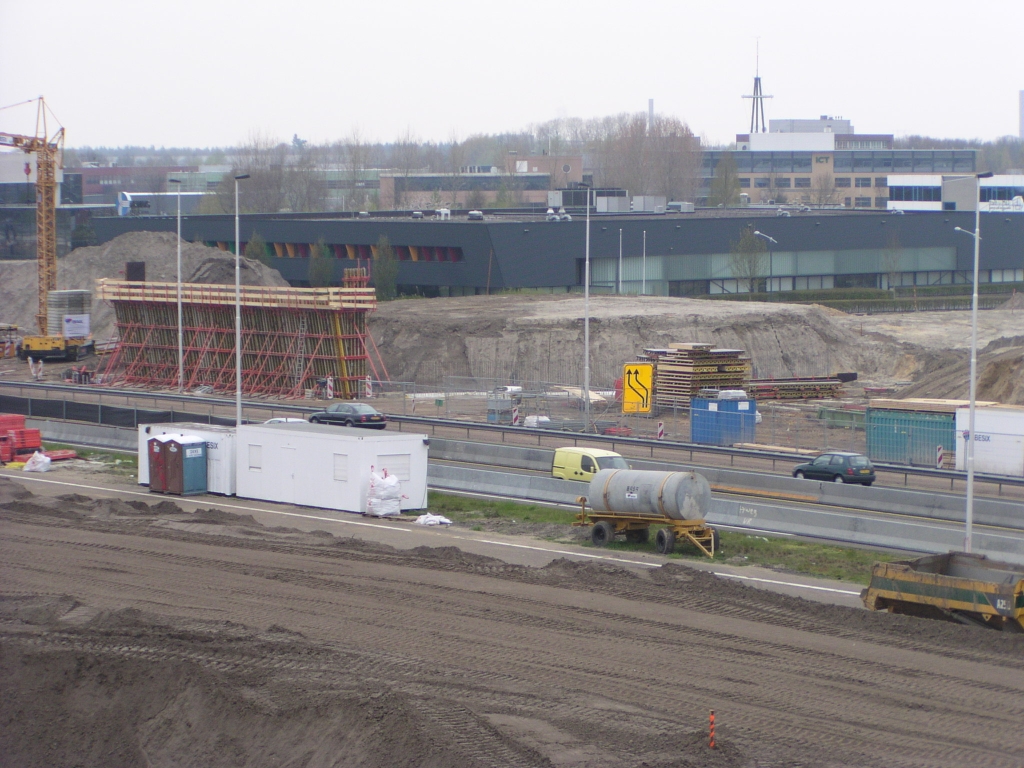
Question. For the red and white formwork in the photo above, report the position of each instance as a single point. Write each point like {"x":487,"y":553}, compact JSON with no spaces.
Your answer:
{"x":291,"y":337}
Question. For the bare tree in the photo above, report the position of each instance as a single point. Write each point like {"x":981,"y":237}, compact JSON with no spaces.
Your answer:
{"x":321,"y":265}
{"x":456,"y":163}
{"x":747,"y":260}
{"x":725,"y":186}
{"x":891,"y":260}
{"x":824,"y":191}
{"x":405,"y":159}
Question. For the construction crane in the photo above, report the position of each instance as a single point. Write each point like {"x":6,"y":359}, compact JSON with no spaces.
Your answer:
{"x":49,"y":153}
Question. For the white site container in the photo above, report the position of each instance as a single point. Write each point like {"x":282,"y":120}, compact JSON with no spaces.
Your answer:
{"x":320,"y":465}
{"x":998,"y":440}
{"x":220,"y":452}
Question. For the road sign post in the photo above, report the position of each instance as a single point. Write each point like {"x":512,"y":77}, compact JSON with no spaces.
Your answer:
{"x":637,"y":387}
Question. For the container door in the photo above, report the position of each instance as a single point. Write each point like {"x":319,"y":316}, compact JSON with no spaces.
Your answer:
{"x":157,"y":475}
{"x":175,"y":468}
{"x":288,"y":475}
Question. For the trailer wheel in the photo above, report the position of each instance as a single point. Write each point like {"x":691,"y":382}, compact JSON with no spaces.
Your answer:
{"x":602,"y":533}
{"x":665,"y":541}
{"x":638,"y":536}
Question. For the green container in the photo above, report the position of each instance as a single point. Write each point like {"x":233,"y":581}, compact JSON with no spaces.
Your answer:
{"x":837,"y":418}
{"x":909,"y":437}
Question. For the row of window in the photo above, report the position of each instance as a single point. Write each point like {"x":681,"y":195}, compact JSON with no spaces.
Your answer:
{"x":804,"y":182}
{"x":888,"y":161}
{"x":916,"y":194}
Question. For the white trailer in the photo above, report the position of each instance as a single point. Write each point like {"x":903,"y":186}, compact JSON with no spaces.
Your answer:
{"x":220,"y":451}
{"x":319,"y":465}
{"x":998,"y":439}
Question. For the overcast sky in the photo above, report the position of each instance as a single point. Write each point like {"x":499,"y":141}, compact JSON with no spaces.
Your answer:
{"x":190,"y":73}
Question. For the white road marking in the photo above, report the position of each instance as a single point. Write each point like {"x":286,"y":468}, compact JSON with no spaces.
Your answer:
{"x":784,"y":583}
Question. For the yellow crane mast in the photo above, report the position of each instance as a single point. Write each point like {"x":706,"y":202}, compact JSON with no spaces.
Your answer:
{"x":49,"y":153}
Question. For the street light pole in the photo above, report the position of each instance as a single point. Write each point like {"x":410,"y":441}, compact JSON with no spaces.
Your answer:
{"x":773,"y":241}
{"x":238,"y":310}
{"x":586,"y":323}
{"x":976,"y":234}
{"x":181,"y":353}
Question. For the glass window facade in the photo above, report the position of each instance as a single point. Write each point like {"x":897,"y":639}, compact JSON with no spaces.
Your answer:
{"x":862,"y":181}
{"x":843,"y":182}
{"x":1000,"y":193}
{"x":862,"y":202}
{"x":802,"y":182}
{"x":916,"y":194}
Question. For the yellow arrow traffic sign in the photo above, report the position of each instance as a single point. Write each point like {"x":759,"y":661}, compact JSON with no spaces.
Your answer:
{"x":637,"y":385}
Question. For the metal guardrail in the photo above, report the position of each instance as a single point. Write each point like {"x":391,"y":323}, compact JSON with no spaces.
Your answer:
{"x":425,"y":421}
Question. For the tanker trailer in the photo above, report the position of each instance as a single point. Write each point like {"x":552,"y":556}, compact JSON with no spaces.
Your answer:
{"x":630,"y":501}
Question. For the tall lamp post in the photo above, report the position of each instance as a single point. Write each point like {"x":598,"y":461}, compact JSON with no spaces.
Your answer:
{"x":773,"y":241}
{"x":976,"y":234}
{"x":586,"y":320}
{"x":238,"y":311}
{"x":181,"y":354}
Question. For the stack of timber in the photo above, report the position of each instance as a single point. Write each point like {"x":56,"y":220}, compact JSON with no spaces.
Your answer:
{"x":924,"y":405}
{"x":796,"y":389}
{"x":682,"y":370}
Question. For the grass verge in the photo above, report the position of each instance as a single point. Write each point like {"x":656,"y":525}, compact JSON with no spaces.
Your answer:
{"x":121,"y":462}
{"x":784,"y":554}
{"x":462,"y":509}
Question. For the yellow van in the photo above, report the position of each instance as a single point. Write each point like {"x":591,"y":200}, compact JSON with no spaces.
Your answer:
{"x":583,"y":463}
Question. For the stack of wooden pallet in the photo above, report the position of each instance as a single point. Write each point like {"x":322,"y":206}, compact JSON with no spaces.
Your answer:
{"x":682,"y":370}
{"x":796,"y":389}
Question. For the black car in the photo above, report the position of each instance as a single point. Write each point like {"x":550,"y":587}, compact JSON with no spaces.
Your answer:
{"x":351,"y":415}
{"x":837,"y":467}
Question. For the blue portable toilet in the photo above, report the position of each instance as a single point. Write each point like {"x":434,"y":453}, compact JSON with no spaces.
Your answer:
{"x":186,"y":465}
{"x":723,"y":422}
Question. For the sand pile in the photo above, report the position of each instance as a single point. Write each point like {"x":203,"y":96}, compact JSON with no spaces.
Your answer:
{"x":80,"y":269}
{"x":540,"y":338}
{"x":1016,"y":302}
{"x":1000,"y":375}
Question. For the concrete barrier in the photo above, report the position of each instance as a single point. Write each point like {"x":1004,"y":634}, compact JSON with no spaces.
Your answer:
{"x":533,"y":487}
{"x":73,"y":433}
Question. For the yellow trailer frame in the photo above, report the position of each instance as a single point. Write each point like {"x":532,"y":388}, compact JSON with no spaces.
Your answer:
{"x":636,"y":528}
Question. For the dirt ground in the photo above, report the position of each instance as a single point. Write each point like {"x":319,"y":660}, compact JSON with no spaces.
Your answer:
{"x":136,"y":634}
{"x":530,"y":338}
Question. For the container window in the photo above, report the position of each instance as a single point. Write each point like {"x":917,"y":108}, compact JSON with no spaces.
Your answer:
{"x":255,"y":458}
{"x":341,"y":467}
{"x":397,"y":464}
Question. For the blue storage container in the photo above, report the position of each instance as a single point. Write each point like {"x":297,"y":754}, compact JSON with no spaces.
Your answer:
{"x":722,"y":422}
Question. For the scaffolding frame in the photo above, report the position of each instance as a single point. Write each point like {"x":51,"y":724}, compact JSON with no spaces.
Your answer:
{"x":292,"y":338}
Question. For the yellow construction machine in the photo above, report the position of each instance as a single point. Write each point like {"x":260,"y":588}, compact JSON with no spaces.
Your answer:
{"x":48,"y":151}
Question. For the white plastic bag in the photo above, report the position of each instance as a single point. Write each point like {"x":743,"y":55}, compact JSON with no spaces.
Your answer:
{"x":431,"y":519}
{"x":384,"y":498}
{"x":38,"y":463}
